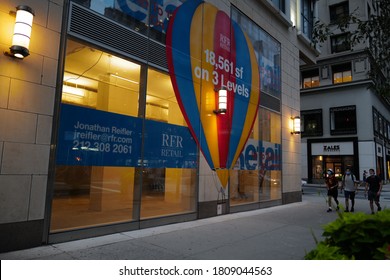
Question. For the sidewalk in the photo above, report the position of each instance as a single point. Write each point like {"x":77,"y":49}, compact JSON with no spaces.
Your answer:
{"x":278,"y":233}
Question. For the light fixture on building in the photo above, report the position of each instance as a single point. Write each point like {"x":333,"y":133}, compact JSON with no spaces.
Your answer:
{"x":222,"y":101}
{"x":296,"y":126}
{"x":22,"y":32}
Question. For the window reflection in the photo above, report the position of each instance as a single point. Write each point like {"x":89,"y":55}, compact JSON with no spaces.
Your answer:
{"x":267,"y":51}
{"x":150,"y":18}
{"x":257,"y":174}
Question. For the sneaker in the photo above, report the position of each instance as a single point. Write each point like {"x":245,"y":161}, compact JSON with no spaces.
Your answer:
{"x":372,"y":213}
{"x":329,"y":210}
{"x":338,"y":208}
{"x":346,"y":210}
{"x":379,"y":208}
{"x":352,"y":209}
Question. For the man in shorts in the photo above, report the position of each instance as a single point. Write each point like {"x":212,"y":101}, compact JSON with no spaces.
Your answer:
{"x":374,"y":188}
{"x":349,"y":185}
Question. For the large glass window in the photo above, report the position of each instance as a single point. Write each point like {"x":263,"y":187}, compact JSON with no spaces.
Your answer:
{"x":167,"y":187}
{"x":94,"y":184}
{"x":267,"y":51}
{"x":271,"y":155}
{"x":113,"y":165}
{"x":343,"y":120}
{"x":257,"y":174}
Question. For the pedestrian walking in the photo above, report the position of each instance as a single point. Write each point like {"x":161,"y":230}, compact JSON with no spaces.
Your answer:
{"x":331,"y":184}
{"x":373,"y":190}
{"x":350,"y":188}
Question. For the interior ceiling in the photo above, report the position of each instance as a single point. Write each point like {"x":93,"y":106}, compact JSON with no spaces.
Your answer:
{"x":85,"y":62}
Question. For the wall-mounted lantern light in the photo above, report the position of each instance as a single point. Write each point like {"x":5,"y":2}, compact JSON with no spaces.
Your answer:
{"x":296,"y":126}
{"x":22,"y":32}
{"x":222,"y":101}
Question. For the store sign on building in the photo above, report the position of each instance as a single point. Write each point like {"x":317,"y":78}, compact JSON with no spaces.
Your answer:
{"x":332,"y":148}
{"x":207,"y":51}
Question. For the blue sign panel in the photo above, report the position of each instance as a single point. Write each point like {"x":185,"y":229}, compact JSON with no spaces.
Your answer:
{"x":92,"y":137}
{"x":169,"y":146}
{"x":89,"y":137}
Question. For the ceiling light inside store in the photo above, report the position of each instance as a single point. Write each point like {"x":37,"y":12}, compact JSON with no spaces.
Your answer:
{"x":74,"y":90}
{"x":124,"y":79}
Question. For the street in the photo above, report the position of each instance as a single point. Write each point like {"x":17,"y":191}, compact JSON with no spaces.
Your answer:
{"x":361,"y":202}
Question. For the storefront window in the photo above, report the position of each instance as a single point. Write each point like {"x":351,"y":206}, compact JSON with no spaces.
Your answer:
{"x":271,"y":155}
{"x":107,"y":152}
{"x":169,"y":174}
{"x":244,"y":178}
{"x":318,"y":168}
{"x":94,"y":177}
{"x":257,"y":174}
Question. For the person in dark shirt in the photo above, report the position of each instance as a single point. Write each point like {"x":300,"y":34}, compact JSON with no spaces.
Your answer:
{"x":374,"y":188}
{"x":331,"y":185}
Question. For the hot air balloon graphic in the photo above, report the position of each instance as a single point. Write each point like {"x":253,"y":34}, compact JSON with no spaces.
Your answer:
{"x":215,"y":76}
